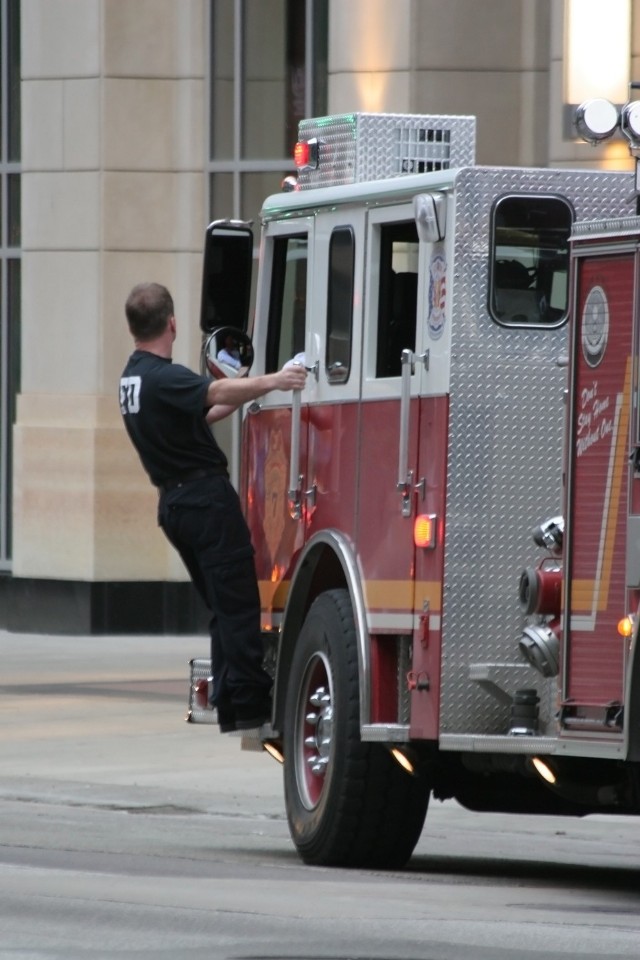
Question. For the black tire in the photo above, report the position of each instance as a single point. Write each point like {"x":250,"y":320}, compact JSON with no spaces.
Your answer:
{"x":348,"y":803}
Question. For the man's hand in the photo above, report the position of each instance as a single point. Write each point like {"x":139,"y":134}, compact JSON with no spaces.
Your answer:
{"x":291,"y":377}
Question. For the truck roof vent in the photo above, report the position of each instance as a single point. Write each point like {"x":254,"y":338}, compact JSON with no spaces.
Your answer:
{"x":357,"y":147}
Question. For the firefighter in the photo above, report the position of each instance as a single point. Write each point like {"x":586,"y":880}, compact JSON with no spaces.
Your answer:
{"x":167,"y":410}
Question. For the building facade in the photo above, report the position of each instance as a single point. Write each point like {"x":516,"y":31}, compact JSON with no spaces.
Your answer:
{"x":126,"y":127}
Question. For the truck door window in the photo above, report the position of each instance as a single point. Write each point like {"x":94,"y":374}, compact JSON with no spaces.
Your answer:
{"x":288,"y":301}
{"x":340,"y":305}
{"x":398,"y":296}
{"x":529,"y":261}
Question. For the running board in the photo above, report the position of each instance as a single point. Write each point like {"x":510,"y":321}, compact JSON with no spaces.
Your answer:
{"x":532,"y":745}
{"x":385,"y":733}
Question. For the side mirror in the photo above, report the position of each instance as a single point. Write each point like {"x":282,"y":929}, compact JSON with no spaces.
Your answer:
{"x":227,"y":352}
{"x":226,"y":275}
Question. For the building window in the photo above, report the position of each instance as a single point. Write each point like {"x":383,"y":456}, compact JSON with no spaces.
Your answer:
{"x":268,"y":70}
{"x":9,"y":256}
{"x":529,"y":261}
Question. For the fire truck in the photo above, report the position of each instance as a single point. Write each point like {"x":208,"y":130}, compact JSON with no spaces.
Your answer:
{"x":447,"y":518}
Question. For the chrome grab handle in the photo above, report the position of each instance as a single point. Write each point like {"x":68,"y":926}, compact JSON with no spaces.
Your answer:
{"x":405,"y":476}
{"x":295,"y":477}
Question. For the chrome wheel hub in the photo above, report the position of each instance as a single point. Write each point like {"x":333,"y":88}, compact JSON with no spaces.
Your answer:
{"x":320,"y":720}
{"x":314,"y":730}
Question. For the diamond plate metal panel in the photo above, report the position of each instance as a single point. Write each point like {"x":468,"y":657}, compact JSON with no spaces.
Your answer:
{"x":357,"y":147}
{"x":505,"y":455}
{"x":603,"y":229}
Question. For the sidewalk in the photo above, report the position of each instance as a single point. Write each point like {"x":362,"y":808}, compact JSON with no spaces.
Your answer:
{"x":101,"y":719}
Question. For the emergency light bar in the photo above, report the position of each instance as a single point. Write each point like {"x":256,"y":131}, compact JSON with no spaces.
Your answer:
{"x":359,"y":147}
{"x":630,"y":122}
{"x":597,"y":120}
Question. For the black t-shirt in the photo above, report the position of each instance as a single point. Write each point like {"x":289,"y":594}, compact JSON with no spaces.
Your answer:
{"x":163,"y":405}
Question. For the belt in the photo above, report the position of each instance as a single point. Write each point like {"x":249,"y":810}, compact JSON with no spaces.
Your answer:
{"x":171,"y":483}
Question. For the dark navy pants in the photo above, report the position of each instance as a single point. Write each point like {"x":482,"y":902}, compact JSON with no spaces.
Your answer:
{"x":204,"y":522}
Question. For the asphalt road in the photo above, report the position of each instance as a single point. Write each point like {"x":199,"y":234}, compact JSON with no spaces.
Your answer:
{"x":126,"y":833}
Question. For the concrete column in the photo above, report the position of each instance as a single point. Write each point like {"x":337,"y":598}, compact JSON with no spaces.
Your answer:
{"x":113,"y":192}
{"x":370,"y":54}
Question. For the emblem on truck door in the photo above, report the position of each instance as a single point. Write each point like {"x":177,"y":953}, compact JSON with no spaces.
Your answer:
{"x":437,"y":295}
{"x":275,"y":492}
{"x":595,"y":326}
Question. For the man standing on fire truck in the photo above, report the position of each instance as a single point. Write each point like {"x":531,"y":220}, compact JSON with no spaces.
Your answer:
{"x":167,"y":409}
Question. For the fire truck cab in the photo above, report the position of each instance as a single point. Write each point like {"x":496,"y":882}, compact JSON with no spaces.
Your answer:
{"x":446,"y":520}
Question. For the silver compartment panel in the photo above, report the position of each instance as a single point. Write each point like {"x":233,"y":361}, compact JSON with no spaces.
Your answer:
{"x":505,"y":454}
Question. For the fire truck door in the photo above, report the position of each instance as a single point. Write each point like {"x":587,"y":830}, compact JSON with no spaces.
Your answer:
{"x":278,"y":422}
{"x":633,"y":529}
{"x":388,"y":447}
{"x":333,"y":354}
{"x":601,"y":481}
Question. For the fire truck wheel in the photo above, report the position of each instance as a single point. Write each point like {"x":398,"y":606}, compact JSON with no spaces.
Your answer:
{"x":348,"y":803}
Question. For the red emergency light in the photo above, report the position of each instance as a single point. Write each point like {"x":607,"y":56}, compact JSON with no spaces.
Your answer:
{"x":306,"y":154}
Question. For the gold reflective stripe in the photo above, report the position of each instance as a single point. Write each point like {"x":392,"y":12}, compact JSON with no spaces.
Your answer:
{"x":273,"y":595}
{"x":402,"y":594}
{"x":378,"y":594}
{"x":582,"y":595}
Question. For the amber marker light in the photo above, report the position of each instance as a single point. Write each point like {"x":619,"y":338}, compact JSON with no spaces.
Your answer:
{"x":407,"y":758}
{"x":544,"y":770}
{"x":625,"y":626}
{"x":400,"y":757}
{"x":424,"y":530}
{"x":273,"y":749}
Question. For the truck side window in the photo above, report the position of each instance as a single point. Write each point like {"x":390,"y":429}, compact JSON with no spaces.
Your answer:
{"x":288,"y":301}
{"x":340,"y":305}
{"x":398,"y":296}
{"x":529,"y":261}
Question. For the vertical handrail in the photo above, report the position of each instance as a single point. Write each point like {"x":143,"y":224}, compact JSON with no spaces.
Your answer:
{"x":295,"y":479}
{"x":404,"y":475}
{"x":405,"y":399}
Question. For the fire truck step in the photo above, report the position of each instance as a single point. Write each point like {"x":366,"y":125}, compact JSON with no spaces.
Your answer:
{"x":501,"y":680}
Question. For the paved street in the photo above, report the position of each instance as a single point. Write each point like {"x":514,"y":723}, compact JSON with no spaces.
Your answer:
{"x":126,"y":833}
